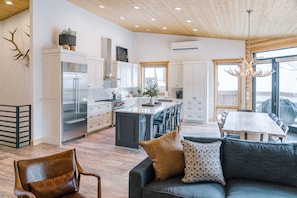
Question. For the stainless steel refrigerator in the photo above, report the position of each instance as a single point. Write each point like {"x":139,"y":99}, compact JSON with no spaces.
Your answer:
{"x":75,"y":97}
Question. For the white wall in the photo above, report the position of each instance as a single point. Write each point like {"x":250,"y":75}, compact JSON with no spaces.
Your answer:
{"x":157,"y":47}
{"x":15,"y":77}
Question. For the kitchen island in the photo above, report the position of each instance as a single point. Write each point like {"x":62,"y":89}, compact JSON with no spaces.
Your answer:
{"x":134,"y":124}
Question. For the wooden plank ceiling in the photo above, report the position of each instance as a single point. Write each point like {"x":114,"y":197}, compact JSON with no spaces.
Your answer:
{"x":226,"y":19}
{"x":209,"y":18}
{"x":16,"y":6}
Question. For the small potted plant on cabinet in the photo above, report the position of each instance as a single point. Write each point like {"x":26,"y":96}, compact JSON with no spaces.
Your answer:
{"x":152,"y":91}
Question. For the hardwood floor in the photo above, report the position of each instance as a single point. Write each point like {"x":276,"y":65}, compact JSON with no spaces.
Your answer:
{"x":96,"y":153}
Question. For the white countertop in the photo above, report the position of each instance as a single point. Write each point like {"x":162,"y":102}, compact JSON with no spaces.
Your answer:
{"x":146,"y":110}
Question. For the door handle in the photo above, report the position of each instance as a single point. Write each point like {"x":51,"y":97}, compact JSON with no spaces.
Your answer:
{"x":75,"y":121}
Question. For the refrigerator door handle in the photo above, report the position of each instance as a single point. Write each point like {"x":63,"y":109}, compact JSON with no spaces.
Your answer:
{"x":76,"y":94}
{"x":75,"y":121}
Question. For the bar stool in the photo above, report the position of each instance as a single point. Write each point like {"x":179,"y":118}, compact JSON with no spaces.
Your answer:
{"x":159,"y":123}
{"x":178,"y":112}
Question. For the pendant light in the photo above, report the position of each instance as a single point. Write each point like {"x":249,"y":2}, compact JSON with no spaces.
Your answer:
{"x":248,"y":71}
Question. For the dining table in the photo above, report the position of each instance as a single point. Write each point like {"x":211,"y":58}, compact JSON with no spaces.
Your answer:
{"x":237,"y":122}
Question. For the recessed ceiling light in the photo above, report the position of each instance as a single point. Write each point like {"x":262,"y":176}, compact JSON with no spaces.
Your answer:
{"x":136,"y":26}
{"x":188,"y":21}
{"x":195,"y":30}
{"x":122,"y":18}
{"x":177,"y":8}
{"x":164,"y":28}
{"x":8,"y":2}
{"x":153,"y":19}
{"x":136,"y":7}
{"x":101,"y":6}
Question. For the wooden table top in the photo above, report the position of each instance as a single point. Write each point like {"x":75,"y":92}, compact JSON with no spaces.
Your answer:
{"x":252,"y":122}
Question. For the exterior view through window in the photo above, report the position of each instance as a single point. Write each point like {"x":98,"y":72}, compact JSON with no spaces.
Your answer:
{"x":277,"y":93}
{"x":155,"y":72}
{"x":227,"y":87}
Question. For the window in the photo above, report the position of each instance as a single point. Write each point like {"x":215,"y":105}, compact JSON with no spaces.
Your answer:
{"x":227,"y":88}
{"x":277,"y":93}
{"x":155,"y":72}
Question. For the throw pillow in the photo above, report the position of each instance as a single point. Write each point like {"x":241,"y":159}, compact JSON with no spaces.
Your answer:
{"x":202,"y":162}
{"x":166,"y":153}
{"x":54,"y":187}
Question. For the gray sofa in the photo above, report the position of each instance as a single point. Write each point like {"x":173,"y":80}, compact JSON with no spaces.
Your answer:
{"x":251,"y":170}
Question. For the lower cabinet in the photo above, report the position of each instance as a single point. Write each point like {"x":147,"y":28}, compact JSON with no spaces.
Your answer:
{"x":194,"y":111}
{"x":130,"y":128}
{"x":99,"y":116}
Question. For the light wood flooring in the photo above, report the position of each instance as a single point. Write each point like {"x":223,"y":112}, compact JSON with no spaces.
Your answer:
{"x":96,"y":153}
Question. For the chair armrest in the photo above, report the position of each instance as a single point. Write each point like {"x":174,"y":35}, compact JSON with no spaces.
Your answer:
{"x":23,"y":193}
{"x":139,"y":176}
{"x":82,"y":172}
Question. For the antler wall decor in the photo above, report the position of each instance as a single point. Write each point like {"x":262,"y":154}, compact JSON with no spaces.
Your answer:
{"x":20,"y":55}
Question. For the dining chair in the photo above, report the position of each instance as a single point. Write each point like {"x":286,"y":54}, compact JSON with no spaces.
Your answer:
{"x":279,"y":123}
{"x":254,"y":136}
{"x":220,"y":125}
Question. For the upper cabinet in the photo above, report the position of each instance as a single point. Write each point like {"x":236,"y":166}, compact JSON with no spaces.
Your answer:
{"x":95,"y":72}
{"x":135,"y":75}
{"x":127,"y":74}
{"x":175,"y":75}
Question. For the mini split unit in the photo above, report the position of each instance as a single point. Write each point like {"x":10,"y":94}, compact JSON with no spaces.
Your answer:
{"x":187,"y":45}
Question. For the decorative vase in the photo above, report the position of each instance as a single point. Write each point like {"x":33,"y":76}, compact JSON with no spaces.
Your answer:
{"x":152,"y":101}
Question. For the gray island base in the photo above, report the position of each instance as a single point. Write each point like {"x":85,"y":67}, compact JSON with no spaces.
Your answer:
{"x":134,"y":124}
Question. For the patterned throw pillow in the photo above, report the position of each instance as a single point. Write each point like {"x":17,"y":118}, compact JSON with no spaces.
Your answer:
{"x":202,"y":162}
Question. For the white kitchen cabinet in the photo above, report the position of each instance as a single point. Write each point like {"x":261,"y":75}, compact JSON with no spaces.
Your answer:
{"x":127,"y":73}
{"x":95,"y":72}
{"x":124,"y":73}
{"x":175,"y":75}
{"x":135,"y":75}
{"x":99,"y":116}
{"x":51,"y":91}
{"x":195,"y":91}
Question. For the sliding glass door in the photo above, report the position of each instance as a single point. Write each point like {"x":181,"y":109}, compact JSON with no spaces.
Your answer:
{"x":277,"y":93}
{"x":288,"y":92}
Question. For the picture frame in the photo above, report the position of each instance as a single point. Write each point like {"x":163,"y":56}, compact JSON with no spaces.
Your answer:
{"x":122,"y":54}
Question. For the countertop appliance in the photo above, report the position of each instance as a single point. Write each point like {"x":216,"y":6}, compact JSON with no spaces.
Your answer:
{"x":75,"y":97}
{"x":179,"y":94}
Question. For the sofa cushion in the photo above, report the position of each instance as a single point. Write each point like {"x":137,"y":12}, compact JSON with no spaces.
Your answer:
{"x":174,"y":187}
{"x":269,"y":162}
{"x":166,"y":153}
{"x":202,"y":162}
{"x":54,"y":187}
{"x":251,"y":189}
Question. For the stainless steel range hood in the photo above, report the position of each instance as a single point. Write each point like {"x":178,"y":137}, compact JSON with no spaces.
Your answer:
{"x":110,"y":81}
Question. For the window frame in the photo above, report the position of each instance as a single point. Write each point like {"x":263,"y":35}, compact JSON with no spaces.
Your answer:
{"x":216,"y":62}
{"x":154,"y":64}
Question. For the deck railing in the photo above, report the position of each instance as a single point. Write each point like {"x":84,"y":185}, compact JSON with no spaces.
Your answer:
{"x":15,"y":125}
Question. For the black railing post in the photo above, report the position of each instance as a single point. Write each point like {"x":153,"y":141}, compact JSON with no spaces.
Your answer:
{"x":17,"y":117}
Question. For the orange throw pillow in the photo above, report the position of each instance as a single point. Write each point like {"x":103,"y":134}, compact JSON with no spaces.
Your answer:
{"x":166,"y":153}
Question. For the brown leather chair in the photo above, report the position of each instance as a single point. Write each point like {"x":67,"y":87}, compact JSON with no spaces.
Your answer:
{"x":56,"y":175}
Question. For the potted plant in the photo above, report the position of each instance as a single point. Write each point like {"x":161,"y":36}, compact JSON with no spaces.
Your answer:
{"x":152,"y":91}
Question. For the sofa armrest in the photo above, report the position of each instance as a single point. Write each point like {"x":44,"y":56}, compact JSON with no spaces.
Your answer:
{"x":139,"y":176}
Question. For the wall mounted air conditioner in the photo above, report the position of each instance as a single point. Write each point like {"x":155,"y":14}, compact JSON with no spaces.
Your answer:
{"x":187,"y":45}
